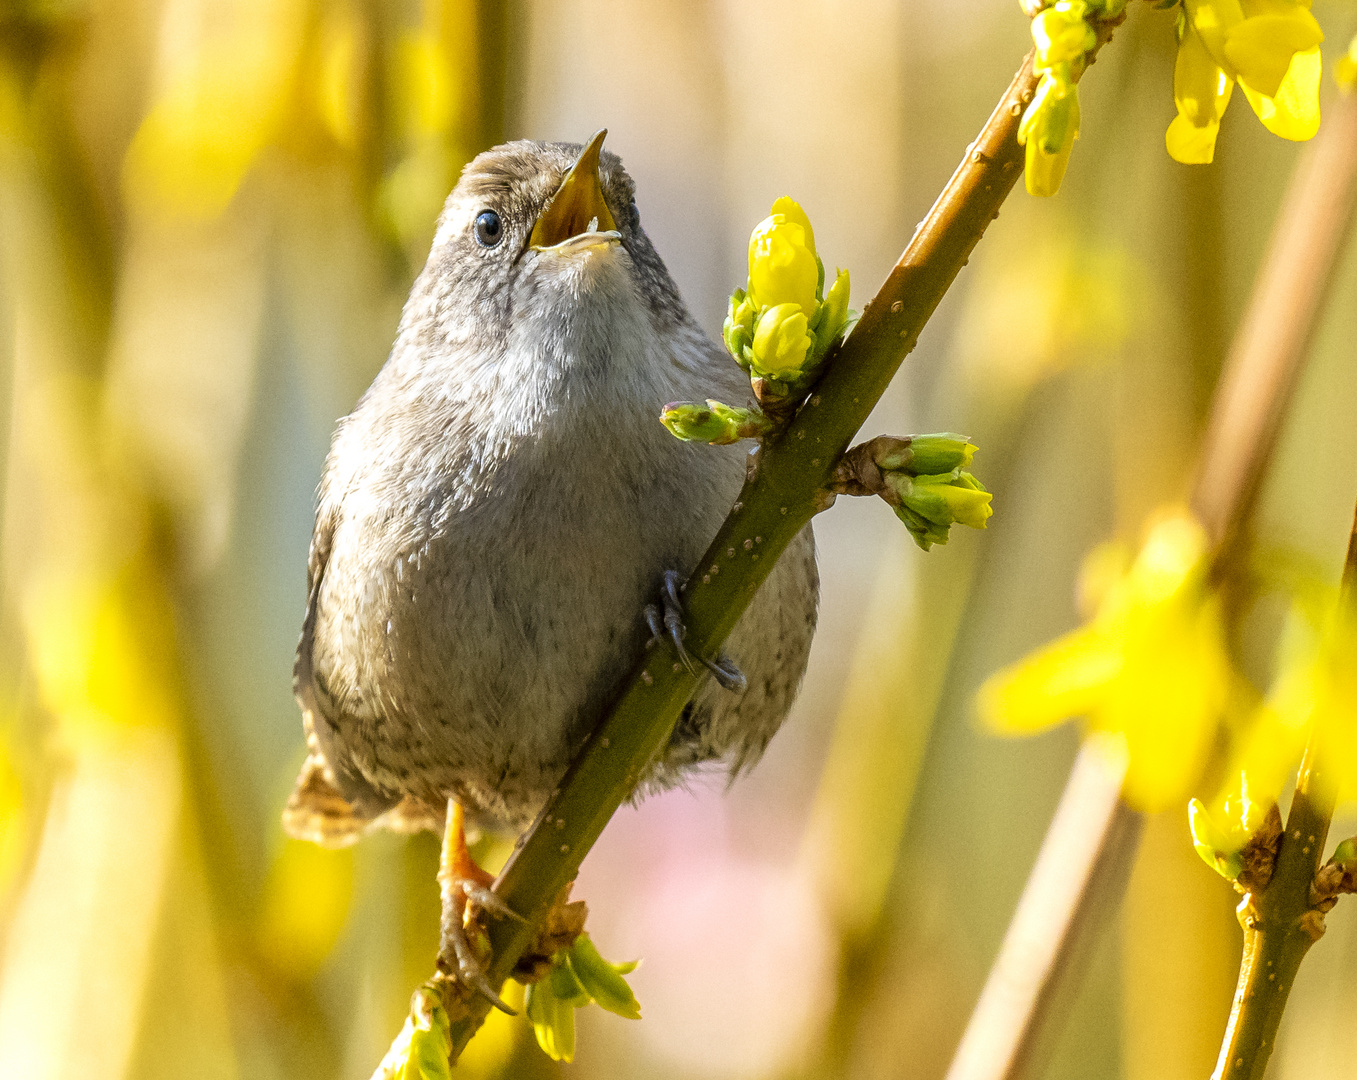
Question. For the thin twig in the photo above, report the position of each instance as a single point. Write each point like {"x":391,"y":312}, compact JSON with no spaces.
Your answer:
{"x":783,"y":492}
{"x":1280,"y":922}
{"x":1086,"y":857}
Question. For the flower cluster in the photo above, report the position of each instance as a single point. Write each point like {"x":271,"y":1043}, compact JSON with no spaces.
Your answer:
{"x":578,"y":976}
{"x":1063,"y":35}
{"x":781,"y":328}
{"x":1269,"y":47}
{"x":1150,"y":668}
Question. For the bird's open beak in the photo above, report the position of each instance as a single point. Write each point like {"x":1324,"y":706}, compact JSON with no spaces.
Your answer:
{"x":578,"y":207}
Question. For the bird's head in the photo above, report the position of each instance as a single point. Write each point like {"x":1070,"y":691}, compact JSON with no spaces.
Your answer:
{"x":546,"y":239}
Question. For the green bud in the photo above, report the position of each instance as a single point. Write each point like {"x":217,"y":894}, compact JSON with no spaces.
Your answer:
{"x":925,"y":532}
{"x":930,"y":505}
{"x":1346,"y":852}
{"x":422,"y":1049}
{"x":831,"y":316}
{"x":553,"y":1020}
{"x":927,"y":454}
{"x":603,"y":981}
{"x":713,"y":422}
{"x":1220,"y":850}
{"x":738,"y":329}
{"x":564,"y":984}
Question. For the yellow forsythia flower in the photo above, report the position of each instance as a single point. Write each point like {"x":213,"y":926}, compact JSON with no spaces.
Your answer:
{"x":1150,"y":667}
{"x":1201,"y":90}
{"x":1270,"y":47}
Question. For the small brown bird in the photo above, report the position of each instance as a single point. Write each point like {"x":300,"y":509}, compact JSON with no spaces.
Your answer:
{"x":496,"y":513}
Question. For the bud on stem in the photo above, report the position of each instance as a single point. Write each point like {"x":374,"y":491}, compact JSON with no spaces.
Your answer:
{"x":714,"y":422}
{"x":922,"y":477}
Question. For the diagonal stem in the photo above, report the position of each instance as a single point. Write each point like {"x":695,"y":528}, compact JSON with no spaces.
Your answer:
{"x":782,"y":494}
{"x":1087,"y":855}
{"x":1280,"y":922}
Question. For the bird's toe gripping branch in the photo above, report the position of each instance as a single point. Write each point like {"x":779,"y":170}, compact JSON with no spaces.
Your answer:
{"x":466,"y":891}
{"x":665,"y":621}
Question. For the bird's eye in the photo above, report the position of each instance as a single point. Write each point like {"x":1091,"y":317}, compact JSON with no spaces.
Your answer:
{"x":635,"y":215}
{"x":488,"y":229}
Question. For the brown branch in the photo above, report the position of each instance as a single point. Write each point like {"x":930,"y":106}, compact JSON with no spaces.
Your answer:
{"x":1076,"y":886}
{"x":1285,"y":917}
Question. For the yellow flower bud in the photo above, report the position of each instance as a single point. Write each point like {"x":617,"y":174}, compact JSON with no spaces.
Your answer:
{"x":1061,"y":33}
{"x":1048,"y":130}
{"x":791,"y":210}
{"x":783,"y":268}
{"x":781,"y":342}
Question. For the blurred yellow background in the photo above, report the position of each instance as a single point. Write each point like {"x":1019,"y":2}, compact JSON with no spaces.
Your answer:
{"x":210,"y":214}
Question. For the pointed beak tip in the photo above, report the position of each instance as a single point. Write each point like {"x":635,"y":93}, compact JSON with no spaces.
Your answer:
{"x":578,"y":202}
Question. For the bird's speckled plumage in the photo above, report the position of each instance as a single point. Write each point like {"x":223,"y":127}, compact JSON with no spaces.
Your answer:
{"x":498,"y":509}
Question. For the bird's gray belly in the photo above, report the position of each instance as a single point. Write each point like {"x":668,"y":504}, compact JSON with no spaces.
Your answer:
{"x":475,"y":667}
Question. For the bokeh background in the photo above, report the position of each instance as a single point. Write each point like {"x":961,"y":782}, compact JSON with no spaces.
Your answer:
{"x":210,"y":214}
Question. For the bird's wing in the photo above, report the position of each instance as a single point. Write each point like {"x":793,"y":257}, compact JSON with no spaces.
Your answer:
{"x":317,"y":810}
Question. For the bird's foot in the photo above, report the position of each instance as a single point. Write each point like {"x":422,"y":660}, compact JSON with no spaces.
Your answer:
{"x":666,"y":625}
{"x":466,"y":892}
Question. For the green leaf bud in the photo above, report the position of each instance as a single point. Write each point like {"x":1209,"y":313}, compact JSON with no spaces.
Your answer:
{"x":1346,"y":852}
{"x":713,"y":422}
{"x":422,"y":1049}
{"x":567,"y":988}
{"x":925,"y":532}
{"x":553,"y":1020}
{"x":927,"y":454}
{"x":738,"y":329}
{"x":935,"y":502}
{"x":831,"y":317}
{"x":603,"y":981}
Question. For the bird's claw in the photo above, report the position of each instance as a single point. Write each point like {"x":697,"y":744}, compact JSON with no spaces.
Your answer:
{"x":456,"y":953}
{"x":487,"y":899}
{"x":467,"y":967}
{"x":668,"y":625}
{"x":463,"y":884}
